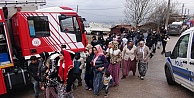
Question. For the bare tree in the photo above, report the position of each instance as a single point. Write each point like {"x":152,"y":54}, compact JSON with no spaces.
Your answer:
{"x":158,"y":16}
{"x":137,"y":11}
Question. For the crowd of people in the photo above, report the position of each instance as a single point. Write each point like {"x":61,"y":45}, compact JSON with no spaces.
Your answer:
{"x":100,"y":64}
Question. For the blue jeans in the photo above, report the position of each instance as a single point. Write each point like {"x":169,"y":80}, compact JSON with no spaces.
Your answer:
{"x":36,"y":88}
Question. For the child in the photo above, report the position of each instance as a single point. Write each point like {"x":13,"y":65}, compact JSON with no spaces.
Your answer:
{"x":51,"y":80}
{"x":78,"y":65}
{"x":107,"y":80}
{"x":89,"y":75}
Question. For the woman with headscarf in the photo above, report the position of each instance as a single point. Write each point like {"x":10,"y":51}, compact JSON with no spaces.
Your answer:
{"x":115,"y":59}
{"x":142,"y":53}
{"x":129,"y":61}
{"x":42,"y":68}
{"x":108,"y":51}
{"x":100,"y":64}
{"x":65,"y":73}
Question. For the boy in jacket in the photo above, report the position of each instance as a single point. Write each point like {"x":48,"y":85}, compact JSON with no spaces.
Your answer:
{"x":78,"y":66}
{"x":33,"y":71}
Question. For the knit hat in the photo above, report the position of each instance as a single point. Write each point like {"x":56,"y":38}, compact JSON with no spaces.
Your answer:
{"x":33,"y":58}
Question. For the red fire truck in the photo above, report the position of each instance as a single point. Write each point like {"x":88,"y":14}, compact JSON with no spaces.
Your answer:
{"x":27,"y":33}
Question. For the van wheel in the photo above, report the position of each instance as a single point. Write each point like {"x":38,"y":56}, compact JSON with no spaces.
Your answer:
{"x":169,"y":79}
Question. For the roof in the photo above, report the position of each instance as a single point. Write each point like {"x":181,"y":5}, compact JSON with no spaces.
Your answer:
{"x":121,"y":26}
{"x":56,"y":9}
{"x":177,"y":23}
{"x":188,"y":31}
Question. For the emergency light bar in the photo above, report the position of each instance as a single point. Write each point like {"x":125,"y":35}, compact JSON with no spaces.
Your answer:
{"x":19,"y":3}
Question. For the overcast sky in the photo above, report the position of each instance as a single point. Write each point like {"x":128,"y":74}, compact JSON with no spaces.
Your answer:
{"x":105,"y":10}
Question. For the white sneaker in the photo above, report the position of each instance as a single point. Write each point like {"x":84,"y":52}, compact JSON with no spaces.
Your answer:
{"x":90,"y":89}
{"x":142,"y":78}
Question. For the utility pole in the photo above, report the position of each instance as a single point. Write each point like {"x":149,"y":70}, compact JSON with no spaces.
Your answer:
{"x":182,"y":9}
{"x":168,"y":14}
{"x":185,"y":11}
{"x":188,"y":12}
{"x":77,"y":8}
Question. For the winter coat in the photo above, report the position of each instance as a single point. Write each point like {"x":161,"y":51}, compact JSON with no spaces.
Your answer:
{"x":89,"y":68}
{"x":33,"y":70}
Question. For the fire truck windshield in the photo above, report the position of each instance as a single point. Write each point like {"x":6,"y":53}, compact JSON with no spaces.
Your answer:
{"x":69,"y":24}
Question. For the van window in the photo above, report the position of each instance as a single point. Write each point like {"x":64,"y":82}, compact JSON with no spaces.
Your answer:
{"x":68,"y":24}
{"x":38,"y":26}
{"x":192,"y":49}
{"x":174,"y":26}
{"x":181,"y":47}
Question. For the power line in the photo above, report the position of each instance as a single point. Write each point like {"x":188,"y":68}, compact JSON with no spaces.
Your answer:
{"x":104,"y":8}
{"x":52,"y":4}
{"x":99,"y":15}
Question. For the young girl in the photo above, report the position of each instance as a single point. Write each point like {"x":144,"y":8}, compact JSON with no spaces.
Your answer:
{"x":89,"y":70}
{"x":51,"y":80}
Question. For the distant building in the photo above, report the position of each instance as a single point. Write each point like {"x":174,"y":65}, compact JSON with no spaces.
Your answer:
{"x":116,"y":29}
{"x":147,"y":26}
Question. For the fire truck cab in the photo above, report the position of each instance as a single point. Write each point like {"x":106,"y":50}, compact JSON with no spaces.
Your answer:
{"x":29,"y":32}
{"x":47,"y":29}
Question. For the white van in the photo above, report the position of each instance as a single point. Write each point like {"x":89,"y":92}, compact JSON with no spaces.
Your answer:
{"x":179,"y":65}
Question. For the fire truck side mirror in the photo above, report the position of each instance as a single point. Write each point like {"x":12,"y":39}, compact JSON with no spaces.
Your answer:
{"x":62,"y":16}
{"x":83,"y":19}
{"x":5,"y":11}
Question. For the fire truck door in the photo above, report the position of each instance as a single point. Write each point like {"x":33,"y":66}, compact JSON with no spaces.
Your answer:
{"x":5,"y":54}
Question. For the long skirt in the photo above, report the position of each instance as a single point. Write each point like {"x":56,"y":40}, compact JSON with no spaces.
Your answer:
{"x":62,"y":91}
{"x":142,"y":68}
{"x":127,"y":66}
{"x":51,"y":92}
{"x":97,"y":82}
{"x":114,"y":71}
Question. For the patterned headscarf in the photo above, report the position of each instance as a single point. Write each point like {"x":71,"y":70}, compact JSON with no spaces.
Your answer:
{"x":115,"y":45}
{"x":100,"y":52}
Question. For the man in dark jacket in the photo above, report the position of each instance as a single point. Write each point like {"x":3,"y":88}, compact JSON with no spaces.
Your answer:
{"x":149,"y":40}
{"x":140,"y":37}
{"x":94,"y":41}
{"x":154,"y":37}
{"x":130,"y":36}
{"x":33,"y":71}
{"x":165,"y":39}
{"x":108,"y":39}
